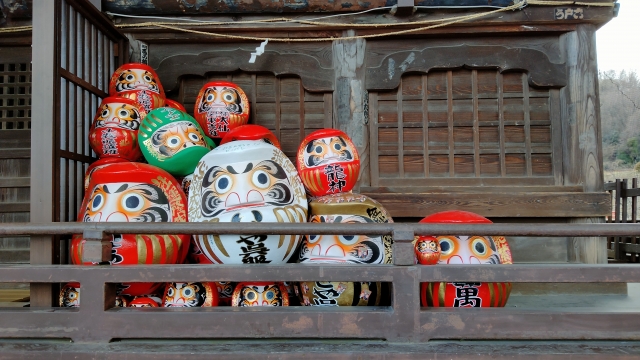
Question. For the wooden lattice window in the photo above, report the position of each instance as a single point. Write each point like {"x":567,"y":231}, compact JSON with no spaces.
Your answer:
{"x":280,"y":104}
{"x":477,"y":126}
{"x":15,"y":93}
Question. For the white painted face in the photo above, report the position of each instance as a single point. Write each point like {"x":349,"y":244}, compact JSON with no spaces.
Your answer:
{"x":358,"y":249}
{"x":468,"y":250}
{"x":137,"y":79}
{"x":118,"y":115}
{"x":247,"y":181}
{"x":174,"y":137}
{"x":127,"y":202}
{"x":327,"y":150}
{"x":185,"y":295}
{"x":260,"y":295}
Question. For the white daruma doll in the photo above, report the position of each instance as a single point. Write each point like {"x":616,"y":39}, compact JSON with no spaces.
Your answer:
{"x":247,"y":181}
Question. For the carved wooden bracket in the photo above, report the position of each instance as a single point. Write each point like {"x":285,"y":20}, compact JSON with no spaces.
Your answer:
{"x":542,"y":72}
{"x":315,"y":75}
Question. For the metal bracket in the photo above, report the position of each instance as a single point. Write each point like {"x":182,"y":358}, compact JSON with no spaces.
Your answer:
{"x":404,"y":8}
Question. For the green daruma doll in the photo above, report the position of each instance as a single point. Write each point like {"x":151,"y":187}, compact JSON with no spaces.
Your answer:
{"x":173,"y":141}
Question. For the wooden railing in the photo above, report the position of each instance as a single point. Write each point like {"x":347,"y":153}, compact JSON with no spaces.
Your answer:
{"x":96,"y":320}
{"x":625,"y":201}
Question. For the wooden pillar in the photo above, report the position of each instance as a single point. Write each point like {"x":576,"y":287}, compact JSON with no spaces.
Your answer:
{"x":42,"y":142}
{"x":582,"y":163}
{"x":350,"y":98}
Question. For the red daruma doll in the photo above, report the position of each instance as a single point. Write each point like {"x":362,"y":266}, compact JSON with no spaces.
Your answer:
{"x":114,"y":131}
{"x":473,"y":250}
{"x":138,"y":82}
{"x":220,"y":107}
{"x":328,"y":162}
{"x":135,"y":192}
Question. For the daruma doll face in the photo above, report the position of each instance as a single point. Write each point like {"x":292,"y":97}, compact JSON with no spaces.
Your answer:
{"x":260,"y":294}
{"x":138,"y":82}
{"x":247,"y":181}
{"x":328,"y":162}
{"x":172,"y":140}
{"x":220,"y":107}
{"x":468,"y":250}
{"x":114,"y":131}
{"x":194,"y":294}
{"x":472,"y":250}
{"x":347,"y":208}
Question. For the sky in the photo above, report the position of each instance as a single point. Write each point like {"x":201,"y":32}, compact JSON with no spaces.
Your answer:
{"x":617,"y":41}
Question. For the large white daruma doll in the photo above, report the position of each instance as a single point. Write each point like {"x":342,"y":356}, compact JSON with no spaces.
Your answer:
{"x":247,"y":181}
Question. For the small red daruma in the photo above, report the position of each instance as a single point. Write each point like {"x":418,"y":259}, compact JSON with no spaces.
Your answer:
{"x":138,"y":82}
{"x":220,"y":107}
{"x":473,"y":250}
{"x":328,"y":162}
{"x":114,"y":131}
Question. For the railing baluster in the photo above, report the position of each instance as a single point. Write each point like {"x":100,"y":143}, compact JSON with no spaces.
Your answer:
{"x":98,"y":247}
{"x":634,"y":214}
{"x":616,"y":244}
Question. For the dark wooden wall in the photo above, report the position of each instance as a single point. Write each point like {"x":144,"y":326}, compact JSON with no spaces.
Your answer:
{"x":280,"y":104}
{"x":15,"y":144}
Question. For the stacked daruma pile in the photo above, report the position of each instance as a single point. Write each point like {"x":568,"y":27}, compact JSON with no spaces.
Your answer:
{"x":120,"y":188}
{"x":329,"y":165}
{"x":247,"y":178}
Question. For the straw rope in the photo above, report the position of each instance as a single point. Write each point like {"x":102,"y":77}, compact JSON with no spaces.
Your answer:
{"x":437,"y":23}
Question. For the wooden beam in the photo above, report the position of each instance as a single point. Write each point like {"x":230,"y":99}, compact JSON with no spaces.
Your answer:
{"x":582,"y":146}
{"x":496,"y":204}
{"x":14,"y":207}
{"x":15,"y":182}
{"x":23,"y":153}
{"x":44,"y":64}
{"x":350,"y":97}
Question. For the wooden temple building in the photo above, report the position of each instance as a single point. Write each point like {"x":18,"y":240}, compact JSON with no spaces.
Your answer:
{"x":453,"y":105}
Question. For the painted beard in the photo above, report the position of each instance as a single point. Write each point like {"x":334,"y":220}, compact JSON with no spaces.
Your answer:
{"x":127,"y":202}
{"x":131,"y":80}
{"x":355,"y":249}
{"x":223,"y":194}
{"x":325,"y":150}
{"x":123,"y":117}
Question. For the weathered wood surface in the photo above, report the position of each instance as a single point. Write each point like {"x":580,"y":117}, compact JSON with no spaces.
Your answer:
{"x":582,"y":136}
{"x":312,"y":63}
{"x":487,"y":204}
{"x":43,"y":125}
{"x":170,"y":7}
{"x":532,"y":17}
{"x":350,"y":98}
{"x":386,"y":75}
{"x":327,"y":349}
